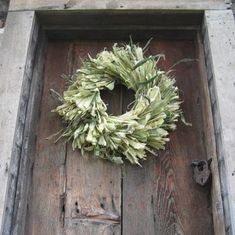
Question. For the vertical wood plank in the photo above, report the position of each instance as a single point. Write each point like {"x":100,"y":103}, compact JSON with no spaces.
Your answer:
{"x":44,"y":209}
{"x":165,"y":196}
{"x":209,"y":142}
{"x":29,"y":142}
{"x":93,"y":188}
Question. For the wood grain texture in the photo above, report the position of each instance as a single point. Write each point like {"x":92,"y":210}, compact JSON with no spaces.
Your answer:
{"x":161,"y":197}
{"x":209,"y":142}
{"x":56,"y":205}
{"x":93,"y":188}
{"x":44,"y":209}
{"x":113,"y":4}
{"x":29,"y":142}
{"x":119,"y":25}
{"x":72,"y":194}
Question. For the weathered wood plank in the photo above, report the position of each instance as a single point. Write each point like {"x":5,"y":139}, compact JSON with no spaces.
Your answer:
{"x":220,"y":33}
{"x":29,"y":142}
{"x":137,"y":205}
{"x":65,"y":183}
{"x":45,"y":211}
{"x":119,"y":25}
{"x":209,"y":142}
{"x":15,"y":75}
{"x":116,"y":20}
{"x":166,"y":200}
{"x":93,"y":187}
{"x":93,"y":196}
{"x":113,"y":4}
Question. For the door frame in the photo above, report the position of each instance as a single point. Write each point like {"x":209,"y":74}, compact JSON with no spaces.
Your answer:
{"x":23,"y":50}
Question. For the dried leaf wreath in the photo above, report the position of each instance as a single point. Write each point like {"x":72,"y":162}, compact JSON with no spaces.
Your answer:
{"x":144,"y":128}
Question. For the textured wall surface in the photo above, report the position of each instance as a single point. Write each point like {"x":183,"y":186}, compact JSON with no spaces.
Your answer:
{"x":118,"y":4}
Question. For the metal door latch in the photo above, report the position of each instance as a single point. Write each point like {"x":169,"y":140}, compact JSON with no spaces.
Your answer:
{"x":201,"y":171}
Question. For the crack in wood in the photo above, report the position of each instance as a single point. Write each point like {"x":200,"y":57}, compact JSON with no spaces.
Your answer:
{"x":62,"y":208}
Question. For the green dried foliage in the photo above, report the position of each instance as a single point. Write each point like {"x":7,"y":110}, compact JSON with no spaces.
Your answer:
{"x":144,"y":128}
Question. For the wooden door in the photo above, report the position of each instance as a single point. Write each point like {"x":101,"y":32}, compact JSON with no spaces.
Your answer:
{"x":76,"y":195}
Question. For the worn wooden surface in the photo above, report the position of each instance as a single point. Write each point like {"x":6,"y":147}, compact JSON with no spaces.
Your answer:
{"x":219,"y":40}
{"x":44,"y":214}
{"x":28,"y":145}
{"x":93,"y":187}
{"x":74,"y":195}
{"x":141,"y":24}
{"x":161,"y":197}
{"x":209,"y":142}
{"x":137,"y":19}
{"x":15,"y":75}
{"x":114,"y":4}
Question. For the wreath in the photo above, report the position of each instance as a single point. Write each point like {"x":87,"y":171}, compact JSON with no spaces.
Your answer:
{"x":142,"y":129}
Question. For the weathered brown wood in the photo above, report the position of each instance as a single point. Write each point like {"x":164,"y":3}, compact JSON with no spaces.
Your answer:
{"x":81,"y":195}
{"x":64,"y":182}
{"x":161,"y":197}
{"x":119,"y":25}
{"x":47,"y":187}
{"x":106,"y":19}
{"x":93,"y":187}
{"x":113,"y":4}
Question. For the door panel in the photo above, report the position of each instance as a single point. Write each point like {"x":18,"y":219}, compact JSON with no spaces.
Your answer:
{"x":71,"y":194}
{"x":161,"y":197}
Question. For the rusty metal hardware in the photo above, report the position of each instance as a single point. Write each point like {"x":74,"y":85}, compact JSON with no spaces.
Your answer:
{"x":201,"y":171}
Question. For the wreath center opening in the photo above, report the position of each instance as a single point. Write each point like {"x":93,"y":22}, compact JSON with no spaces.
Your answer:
{"x":119,"y":100}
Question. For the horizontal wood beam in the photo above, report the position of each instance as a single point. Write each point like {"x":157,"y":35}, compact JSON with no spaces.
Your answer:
{"x":219,"y":42}
{"x":119,"y":25}
{"x":16,"y":60}
{"x":112,"y":18}
{"x":22,"y":5}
